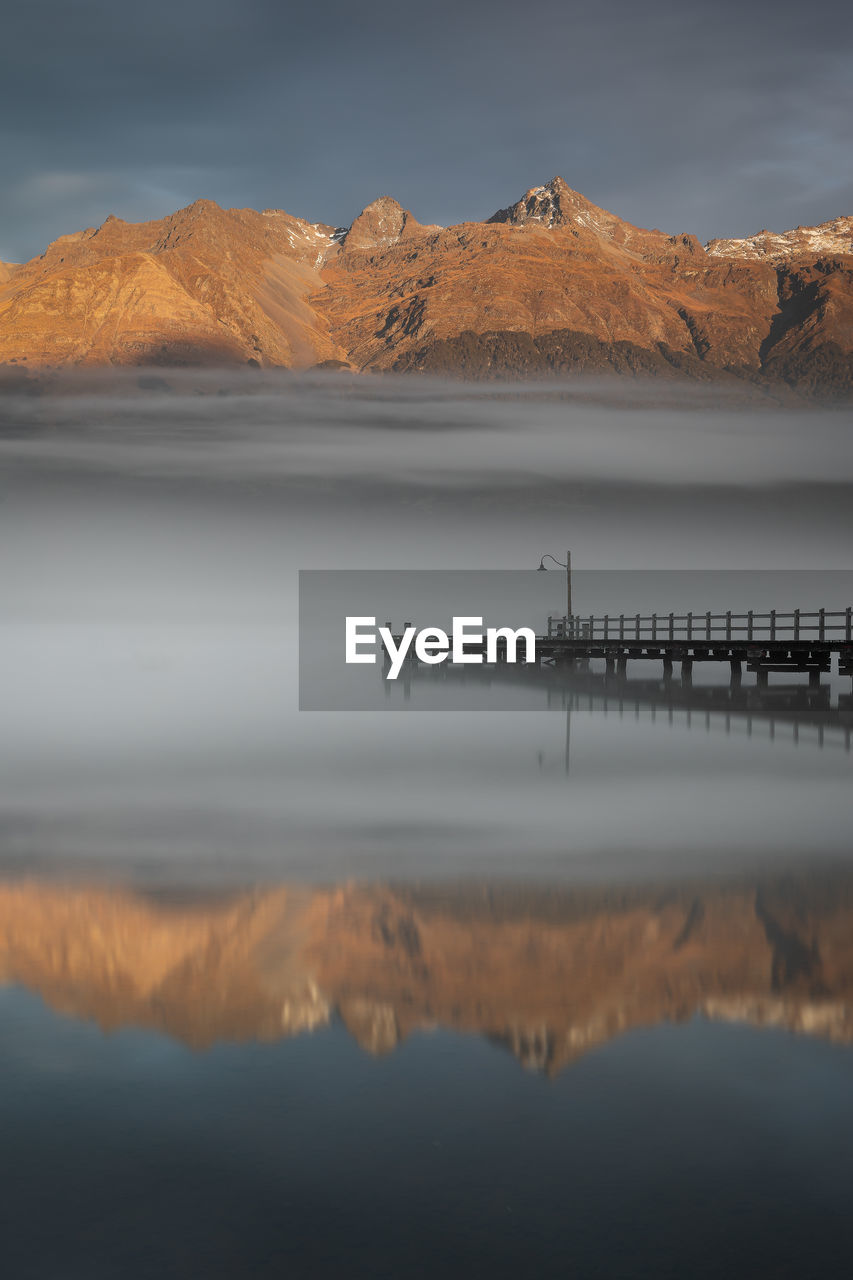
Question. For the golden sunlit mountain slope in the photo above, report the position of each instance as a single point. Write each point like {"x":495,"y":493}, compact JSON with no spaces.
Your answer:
{"x":550,"y":284}
{"x":205,"y":285}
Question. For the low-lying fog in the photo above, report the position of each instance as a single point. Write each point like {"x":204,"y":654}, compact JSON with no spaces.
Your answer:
{"x":152,"y":529}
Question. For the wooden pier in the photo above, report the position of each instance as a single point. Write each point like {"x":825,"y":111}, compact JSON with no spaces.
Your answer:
{"x":799,"y":641}
{"x":789,"y":643}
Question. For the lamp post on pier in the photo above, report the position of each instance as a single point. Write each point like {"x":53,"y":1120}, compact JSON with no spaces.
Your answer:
{"x":568,"y":568}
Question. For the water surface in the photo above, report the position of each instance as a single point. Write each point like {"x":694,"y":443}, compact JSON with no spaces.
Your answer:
{"x":546,"y":974}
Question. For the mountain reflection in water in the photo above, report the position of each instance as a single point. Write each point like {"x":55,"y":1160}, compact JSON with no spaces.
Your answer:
{"x":550,"y":973}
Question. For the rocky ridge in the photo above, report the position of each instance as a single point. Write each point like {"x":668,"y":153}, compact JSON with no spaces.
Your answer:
{"x":551,"y":284}
{"x":827,"y":238}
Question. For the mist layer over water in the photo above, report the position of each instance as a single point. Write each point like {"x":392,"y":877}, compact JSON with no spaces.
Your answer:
{"x":151,"y":540}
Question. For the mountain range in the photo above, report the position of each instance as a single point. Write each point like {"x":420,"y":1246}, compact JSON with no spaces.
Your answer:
{"x":550,"y":284}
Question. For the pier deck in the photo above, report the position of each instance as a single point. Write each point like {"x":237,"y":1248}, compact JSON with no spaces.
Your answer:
{"x":799,"y":641}
{"x":788,"y":643}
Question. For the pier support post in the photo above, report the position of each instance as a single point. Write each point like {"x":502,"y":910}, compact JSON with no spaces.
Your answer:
{"x":737,"y":673}
{"x":761,"y":677}
{"x":667,"y":668}
{"x":687,"y":671}
{"x":814,"y":679}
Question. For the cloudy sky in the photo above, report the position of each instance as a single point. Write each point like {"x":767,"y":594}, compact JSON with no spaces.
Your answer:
{"x":719,"y":119}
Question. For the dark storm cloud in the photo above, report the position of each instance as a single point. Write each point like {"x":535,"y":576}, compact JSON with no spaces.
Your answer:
{"x":718,"y":119}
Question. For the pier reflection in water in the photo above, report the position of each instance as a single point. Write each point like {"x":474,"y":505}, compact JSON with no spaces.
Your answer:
{"x":819,"y":715}
{"x":626,"y":1080}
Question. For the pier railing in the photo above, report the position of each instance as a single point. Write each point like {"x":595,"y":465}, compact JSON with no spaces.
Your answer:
{"x":820,"y":625}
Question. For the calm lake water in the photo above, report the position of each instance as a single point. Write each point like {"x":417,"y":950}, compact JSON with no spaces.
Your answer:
{"x":534,"y":976}
{"x":471,"y":1079}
